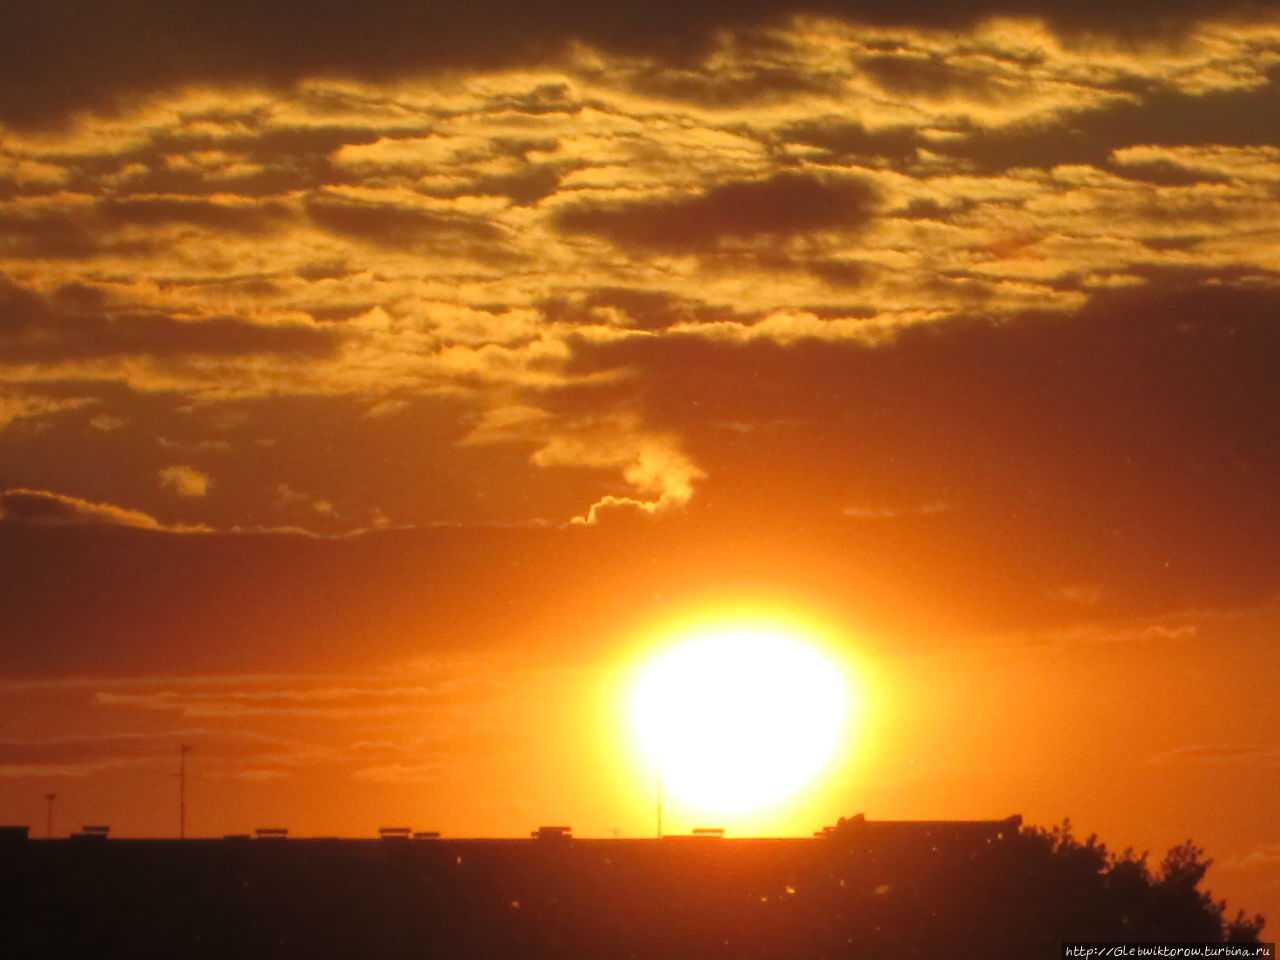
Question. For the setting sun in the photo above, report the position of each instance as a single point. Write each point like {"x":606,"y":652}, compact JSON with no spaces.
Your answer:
{"x":734,"y":719}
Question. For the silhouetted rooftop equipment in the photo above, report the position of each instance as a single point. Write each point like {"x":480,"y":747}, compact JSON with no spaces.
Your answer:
{"x":271,"y":833}
{"x":394,"y":833}
{"x":236,"y":836}
{"x":92,"y":833}
{"x":14,"y":834}
{"x":714,"y":832}
{"x":427,"y":835}
{"x":553,"y":833}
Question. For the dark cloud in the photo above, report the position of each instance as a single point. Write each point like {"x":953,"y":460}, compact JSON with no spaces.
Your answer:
{"x":84,"y":232}
{"x":1162,"y":173}
{"x":838,"y":273}
{"x":638,"y":309}
{"x":78,"y":322}
{"x":159,"y":211}
{"x":46,"y":236}
{"x":785,"y":204}
{"x":852,"y":140}
{"x":1133,"y":445}
{"x":115,"y":600}
{"x":524,"y":188}
{"x":73,"y":54}
{"x":762,"y":84}
{"x":43,"y":508}
{"x":1160,"y":117}
{"x":399,"y":228}
{"x":928,"y":77}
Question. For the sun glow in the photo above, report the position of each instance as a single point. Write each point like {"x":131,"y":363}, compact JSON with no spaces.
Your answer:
{"x":735,"y":719}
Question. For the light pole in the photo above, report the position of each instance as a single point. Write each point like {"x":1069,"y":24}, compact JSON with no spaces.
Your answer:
{"x":659,"y":798}
{"x":183,"y":750}
{"x":48,"y":824}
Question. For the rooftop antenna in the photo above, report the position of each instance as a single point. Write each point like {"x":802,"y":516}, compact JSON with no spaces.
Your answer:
{"x":48,"y":799}
{"x":659,"y":798}
{"x":183,"y":750}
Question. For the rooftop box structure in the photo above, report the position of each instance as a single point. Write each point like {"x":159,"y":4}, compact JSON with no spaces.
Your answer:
{"x":427,"y":835}
{"x":92,"y":833}
{"x":715,"y":832}
{"x":271,"y":833}
{"x":13,"y":834}
{"x":859,"y":828}
{"x":552,"y":833}
{"x":394,"y":833}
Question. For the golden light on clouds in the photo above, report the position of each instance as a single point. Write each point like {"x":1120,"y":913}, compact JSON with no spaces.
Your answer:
{"x":335,"y":339}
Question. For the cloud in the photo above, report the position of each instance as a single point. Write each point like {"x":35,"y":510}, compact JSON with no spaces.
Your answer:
{"x":106,"y":422}
{"x":874,"y":512}
{"x":405,"y":773}
{"x":1264,"y":857}
{"x":783,"y":205}
{"x":75,"y":771}
{"x":260,"y":776}
{"x":185,"y":481}
{"x":390,"y":224}
{"x":242,"y":217}
{"x":43,"y":508}
{"x":20,"y":405}
{"x":1104,"y":632}
{"x":82,"y":322}
{"x":1252,"y":756}
{"x":651,"y":463}
{"x":316,"y":697}
{"x":104,"y":750}
{"x":1065,"y":459}
{"x":101,"y":55}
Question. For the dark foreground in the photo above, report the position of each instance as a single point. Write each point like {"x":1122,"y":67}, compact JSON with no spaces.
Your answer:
{"x":882,"y":890}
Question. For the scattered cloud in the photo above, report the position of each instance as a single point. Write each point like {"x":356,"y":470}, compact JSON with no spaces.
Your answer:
{"x":785,"y":204}
{"x":106,"y":422}
{"x":1254,"y":756}
{"x":651,"y":463}
{"x":17,"y":405}
{"x":185,"y":481}
{"x":74,"y":771}
{"x":406,"y":773}
{"x":870,"y":512}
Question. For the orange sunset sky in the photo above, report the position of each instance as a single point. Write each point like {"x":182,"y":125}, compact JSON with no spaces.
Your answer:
{"x":380,"y":384}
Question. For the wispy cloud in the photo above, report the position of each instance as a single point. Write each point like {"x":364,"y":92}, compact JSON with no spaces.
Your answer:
{"x":1231,"y":754}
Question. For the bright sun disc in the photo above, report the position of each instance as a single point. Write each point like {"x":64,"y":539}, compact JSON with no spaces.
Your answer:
{"x":737,"y":719}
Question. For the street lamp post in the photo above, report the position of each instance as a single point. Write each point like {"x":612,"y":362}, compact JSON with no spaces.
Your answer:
{"x":183,"y":750}
{"x":659,"y":799}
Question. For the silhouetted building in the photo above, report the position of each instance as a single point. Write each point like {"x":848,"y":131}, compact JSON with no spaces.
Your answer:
{"x":867,"y":890}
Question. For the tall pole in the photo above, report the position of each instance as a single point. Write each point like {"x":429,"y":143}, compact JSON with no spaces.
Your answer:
{"x":48,"y":825}
{"x":183,"y":750}
{"x":659,"y":799}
